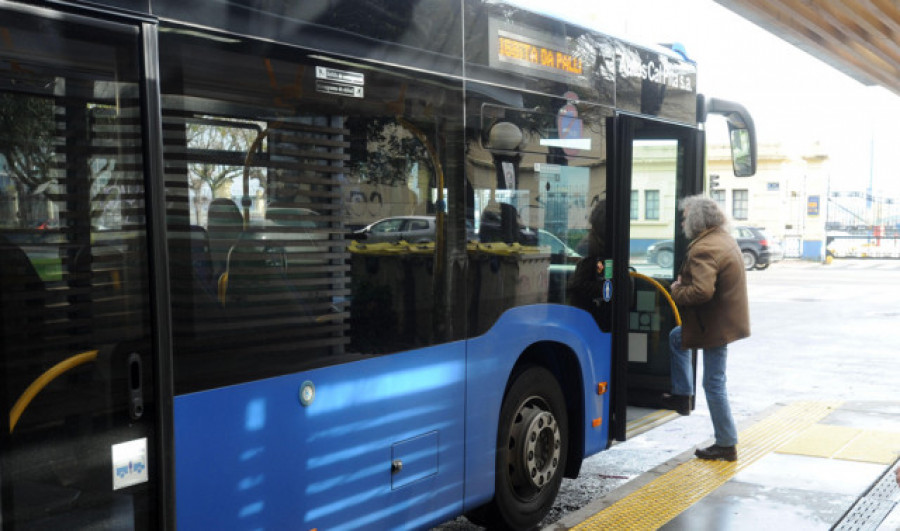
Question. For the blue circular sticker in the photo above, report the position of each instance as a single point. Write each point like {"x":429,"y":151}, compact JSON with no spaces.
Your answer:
{"x":607,"y":290}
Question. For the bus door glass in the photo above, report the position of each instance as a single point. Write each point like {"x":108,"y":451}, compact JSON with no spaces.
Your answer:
{"x":661,"y":164}
{"x":76,"y":369}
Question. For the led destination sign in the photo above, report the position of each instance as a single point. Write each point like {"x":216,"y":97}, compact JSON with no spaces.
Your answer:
{"x":599,"y":67}
{"x":533,"y":54}
{"x":529,"y":51}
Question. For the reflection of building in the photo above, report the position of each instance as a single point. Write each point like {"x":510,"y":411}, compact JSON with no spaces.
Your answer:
{"x":555,"y":197}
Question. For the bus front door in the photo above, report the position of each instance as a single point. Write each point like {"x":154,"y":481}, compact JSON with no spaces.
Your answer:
{"x":658,"y":165}
{"x":77,"y":447}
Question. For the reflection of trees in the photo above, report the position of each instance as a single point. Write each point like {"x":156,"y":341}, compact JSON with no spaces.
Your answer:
{"x":27,"y":129}
{"x":391,"y":152}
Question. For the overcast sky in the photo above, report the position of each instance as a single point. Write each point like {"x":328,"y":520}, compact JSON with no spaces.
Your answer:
{"x":795,"y":99}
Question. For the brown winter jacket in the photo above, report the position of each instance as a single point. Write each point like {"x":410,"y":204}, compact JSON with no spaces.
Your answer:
{"x":712,"y":295}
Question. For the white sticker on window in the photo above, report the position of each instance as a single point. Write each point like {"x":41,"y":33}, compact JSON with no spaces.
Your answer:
{"x":129,"y":463}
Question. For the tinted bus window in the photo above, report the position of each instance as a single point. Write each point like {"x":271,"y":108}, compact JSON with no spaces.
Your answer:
{"x":538,"y":173}
{"x":276,"y":162}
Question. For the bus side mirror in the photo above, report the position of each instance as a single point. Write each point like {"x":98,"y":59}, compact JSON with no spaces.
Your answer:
{"x":741,"y":132}
{"x":743,"y":155}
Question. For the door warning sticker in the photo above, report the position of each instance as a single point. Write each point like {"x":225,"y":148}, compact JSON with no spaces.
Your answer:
{"x":129,"y":463}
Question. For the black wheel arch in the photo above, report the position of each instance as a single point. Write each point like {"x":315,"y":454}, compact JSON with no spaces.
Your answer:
{"x":563,"y":363}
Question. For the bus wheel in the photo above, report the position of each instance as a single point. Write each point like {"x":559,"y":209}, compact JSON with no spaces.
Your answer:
{"x":532,"y":442}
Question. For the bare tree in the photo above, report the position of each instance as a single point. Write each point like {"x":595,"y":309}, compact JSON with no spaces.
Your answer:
{"x":215,"y":138}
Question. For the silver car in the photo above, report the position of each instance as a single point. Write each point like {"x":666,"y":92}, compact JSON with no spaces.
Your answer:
{"x":413,"y":229}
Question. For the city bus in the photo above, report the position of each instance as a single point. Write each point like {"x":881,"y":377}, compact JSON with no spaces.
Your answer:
{"x":197,"y":334}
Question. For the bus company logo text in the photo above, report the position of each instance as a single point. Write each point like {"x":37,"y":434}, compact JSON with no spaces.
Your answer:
{"x":660,"y":73}
{"x":539,"y":56}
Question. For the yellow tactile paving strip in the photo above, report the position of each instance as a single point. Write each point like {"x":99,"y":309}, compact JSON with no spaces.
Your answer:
{"x":872,"y":446}
{"x":669,"y":495}
{"x":842,"y":442}
{"x":820,"y":440}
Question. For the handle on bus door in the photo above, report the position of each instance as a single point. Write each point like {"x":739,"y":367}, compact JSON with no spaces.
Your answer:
{"x":135,"y":388}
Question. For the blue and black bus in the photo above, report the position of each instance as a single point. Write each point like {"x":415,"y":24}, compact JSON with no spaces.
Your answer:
{"x":197,"y":334}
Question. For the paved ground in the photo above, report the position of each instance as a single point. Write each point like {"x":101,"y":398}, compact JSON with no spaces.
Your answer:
{"x":820,"y":332}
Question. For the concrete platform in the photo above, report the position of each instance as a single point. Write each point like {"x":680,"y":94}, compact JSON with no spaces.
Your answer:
{"x":805,"y":465}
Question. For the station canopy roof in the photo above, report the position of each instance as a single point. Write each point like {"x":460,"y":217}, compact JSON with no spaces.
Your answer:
{"x":858,"y":37}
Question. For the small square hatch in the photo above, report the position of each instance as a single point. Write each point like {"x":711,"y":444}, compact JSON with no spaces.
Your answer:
{"x":414,"y":459}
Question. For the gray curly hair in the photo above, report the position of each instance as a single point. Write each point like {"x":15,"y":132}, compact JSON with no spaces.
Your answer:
{"x":701,"y":213}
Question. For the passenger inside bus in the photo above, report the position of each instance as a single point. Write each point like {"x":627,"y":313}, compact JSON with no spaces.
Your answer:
{"x":586,"y":283}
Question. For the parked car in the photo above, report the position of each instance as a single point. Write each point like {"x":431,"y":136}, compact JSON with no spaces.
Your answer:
{"x":662,"y":253}
{"x":413,"y":229}
{"x":758,"y":250}
{"x":559,"y":251}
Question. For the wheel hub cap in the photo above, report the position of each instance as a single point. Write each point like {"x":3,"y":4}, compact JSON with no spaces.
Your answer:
{"x":541,"y":448}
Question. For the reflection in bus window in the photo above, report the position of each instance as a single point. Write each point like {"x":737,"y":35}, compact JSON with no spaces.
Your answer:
{"x":264,"y":193}
{"x":533,"y":200}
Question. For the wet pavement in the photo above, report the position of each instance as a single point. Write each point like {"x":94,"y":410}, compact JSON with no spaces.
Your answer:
{"x":807,"y":465}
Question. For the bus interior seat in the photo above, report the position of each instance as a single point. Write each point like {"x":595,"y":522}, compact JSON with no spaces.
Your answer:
{"x":193,"y":282}
{"x":201,"y":261}
{"x":225,"y":225}
{"x":255,"y":280}
{"x":22,"y":319}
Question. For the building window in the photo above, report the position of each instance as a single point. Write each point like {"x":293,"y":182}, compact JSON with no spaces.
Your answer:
{"x":719,"y":197}
{"x":634,"y":204}
{"x":740,"y":204}
{"x":651,"y":204}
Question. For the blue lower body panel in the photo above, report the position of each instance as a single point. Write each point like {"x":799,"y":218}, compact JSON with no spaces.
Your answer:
{"x":252,"y":456}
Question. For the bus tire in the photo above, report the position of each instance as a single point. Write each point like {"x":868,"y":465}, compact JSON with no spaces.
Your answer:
{"x":532,"y":443}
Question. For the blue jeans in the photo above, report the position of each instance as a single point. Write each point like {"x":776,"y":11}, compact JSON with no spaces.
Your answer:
{"x":713,"y":384}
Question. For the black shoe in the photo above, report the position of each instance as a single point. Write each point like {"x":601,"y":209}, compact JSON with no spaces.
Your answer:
{"x":679,"y":403}
{"x":717,"y":453}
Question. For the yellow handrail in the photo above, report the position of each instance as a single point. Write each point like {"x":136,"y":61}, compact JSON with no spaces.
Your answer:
{"x":661,"y":289}
{"x":43,"y":380}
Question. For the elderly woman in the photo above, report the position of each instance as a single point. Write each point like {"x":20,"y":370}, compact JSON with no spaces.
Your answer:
{"x":711,"y":292}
